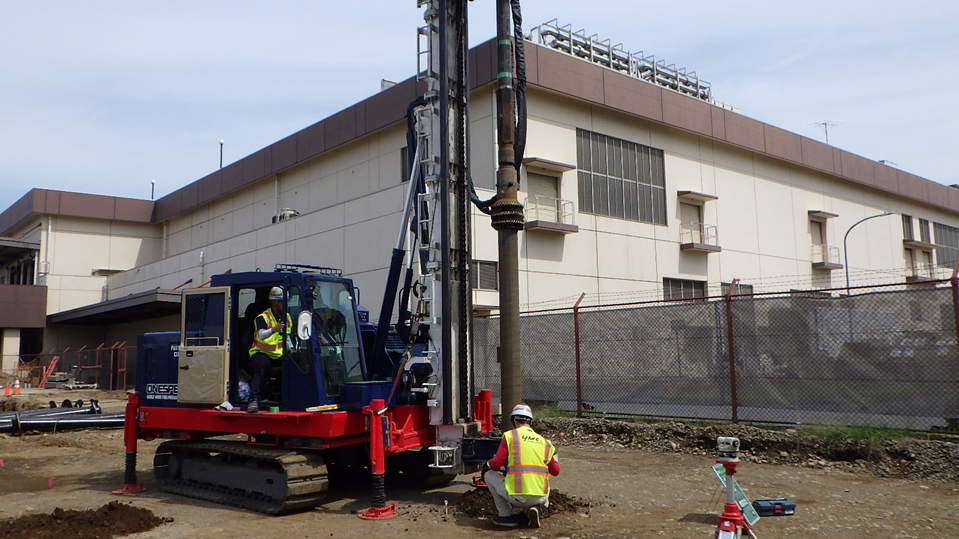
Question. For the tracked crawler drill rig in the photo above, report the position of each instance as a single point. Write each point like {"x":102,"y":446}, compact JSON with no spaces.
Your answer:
{"x":350,"y":395}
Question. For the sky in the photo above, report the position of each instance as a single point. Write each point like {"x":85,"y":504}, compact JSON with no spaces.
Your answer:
{"x":107,"y":97}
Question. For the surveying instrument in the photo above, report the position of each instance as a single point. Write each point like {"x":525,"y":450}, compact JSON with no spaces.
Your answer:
{"x":731,"y":523}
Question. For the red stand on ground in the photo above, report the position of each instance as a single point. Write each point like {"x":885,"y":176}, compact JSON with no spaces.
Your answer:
{"x":731,"y":518}
{"x":130,"y":484}
{"x":379,"y":513}
{"x":378,"y":510}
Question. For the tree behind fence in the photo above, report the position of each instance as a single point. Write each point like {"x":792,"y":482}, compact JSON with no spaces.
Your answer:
{"x":883,"y":357}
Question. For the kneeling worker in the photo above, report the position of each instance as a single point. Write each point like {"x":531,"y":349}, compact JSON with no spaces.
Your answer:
{"x":529,"y":460}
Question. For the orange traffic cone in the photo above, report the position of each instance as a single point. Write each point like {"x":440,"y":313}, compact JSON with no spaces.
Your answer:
{"x":16,"y":386}
{"x":6,"y":391}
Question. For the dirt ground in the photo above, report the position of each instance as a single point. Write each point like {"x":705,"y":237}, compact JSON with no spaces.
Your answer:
{"x":612,"y":491}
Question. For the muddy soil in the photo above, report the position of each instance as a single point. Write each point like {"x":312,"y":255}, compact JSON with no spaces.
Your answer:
{"x":114,"y":519}
{"x":478,"y":503}
{"x":622,"y":480}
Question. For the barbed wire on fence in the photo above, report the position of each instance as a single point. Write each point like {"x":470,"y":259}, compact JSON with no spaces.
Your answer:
{"x":774,"y":284}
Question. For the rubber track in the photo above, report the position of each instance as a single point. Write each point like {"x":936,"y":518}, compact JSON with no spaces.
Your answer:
{"x":302,"y":470}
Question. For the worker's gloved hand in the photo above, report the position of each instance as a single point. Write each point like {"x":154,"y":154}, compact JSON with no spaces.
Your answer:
{"x":484,"y":469}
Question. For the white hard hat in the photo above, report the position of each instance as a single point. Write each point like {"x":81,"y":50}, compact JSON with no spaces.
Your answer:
{"x":521,"y":410}
{"x":276,"y":293}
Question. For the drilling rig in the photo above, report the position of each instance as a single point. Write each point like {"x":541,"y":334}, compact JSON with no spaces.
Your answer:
{"x":350,"y":395}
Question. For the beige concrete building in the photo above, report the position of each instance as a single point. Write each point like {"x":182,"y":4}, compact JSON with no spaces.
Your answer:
{"x":632,"y":191}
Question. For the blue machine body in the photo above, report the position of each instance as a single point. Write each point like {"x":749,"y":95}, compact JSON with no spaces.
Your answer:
{"x":330,"y":367}
{"x":156,"y":375}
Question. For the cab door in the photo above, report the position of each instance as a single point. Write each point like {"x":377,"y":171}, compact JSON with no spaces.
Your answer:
{"x":204,"y":346}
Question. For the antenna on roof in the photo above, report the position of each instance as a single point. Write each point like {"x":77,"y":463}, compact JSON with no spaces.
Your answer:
{"x":825,"y":127}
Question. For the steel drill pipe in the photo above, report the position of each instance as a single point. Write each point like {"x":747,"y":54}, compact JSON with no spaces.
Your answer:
{"x":507,"y":219}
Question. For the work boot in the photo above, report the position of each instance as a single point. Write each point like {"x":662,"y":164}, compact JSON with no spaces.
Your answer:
{"x":511,"y":521}
{"x":533,"y":515}
{"x":252,"y":407}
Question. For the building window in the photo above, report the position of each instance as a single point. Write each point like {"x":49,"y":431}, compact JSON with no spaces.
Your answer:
{"x":907,"y":233}
{"x":484,"y":275}
{"x":620,"y":179}
{"x":683,"y":289}
{"x":405,"y":164}
{"x":924,"y":230}
{"x":818,"y":229}
{"x":542,"y":199}
{"x":947,"y":244}
{"x":691,"y":226}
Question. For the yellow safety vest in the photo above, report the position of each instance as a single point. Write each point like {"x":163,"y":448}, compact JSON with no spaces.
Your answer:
{"x":272,"y":346}
{"x":527,"y":473}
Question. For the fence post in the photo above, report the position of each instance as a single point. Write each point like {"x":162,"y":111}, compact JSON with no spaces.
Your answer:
{"x":579,"y":374}
{"x":732,"y":354}
{"x":954,"y":282}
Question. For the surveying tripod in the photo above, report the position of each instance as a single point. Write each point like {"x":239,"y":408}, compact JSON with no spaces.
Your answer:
{"x":731,"y":523}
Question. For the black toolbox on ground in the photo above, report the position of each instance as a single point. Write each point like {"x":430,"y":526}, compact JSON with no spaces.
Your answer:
{"x":774,"y":507}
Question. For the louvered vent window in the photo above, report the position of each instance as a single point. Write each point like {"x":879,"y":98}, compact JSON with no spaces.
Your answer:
{"x":484,"y":275}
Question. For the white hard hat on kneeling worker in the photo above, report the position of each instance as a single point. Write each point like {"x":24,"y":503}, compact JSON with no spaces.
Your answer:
{"x":522,"y":410}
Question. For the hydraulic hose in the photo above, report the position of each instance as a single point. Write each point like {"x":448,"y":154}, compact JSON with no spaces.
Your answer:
{"x":519,"y":145}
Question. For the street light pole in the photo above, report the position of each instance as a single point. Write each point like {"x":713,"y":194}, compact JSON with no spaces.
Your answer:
{"x":221,"y":153}
{"x":845,"y":247}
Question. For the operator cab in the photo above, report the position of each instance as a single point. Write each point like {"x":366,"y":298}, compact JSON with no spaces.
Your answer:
{"x":321,"y":352}
{"x":325,"y":353}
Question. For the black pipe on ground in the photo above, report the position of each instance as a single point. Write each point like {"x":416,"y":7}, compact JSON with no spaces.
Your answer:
{"x":49,"y":412}
{"x":57,"y":424}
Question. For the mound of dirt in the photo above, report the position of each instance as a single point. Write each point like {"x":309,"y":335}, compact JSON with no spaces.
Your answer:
{"x":111,"y":520}
{"x":14,"y":405}
{"x":478,"y":503}
{"x":909,"y":458}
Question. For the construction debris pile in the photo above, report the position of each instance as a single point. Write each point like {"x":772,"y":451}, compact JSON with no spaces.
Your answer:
{"x":932,"y":460}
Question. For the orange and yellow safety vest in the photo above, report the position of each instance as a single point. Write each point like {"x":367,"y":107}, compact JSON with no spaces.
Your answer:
{"x":527,"y":472}
{"x":272,"y":346}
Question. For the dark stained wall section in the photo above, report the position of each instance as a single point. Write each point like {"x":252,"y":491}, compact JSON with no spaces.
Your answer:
{"x":23,"y":306}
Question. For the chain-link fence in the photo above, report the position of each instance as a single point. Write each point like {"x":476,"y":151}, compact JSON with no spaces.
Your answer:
{"x":101,"y":368}
{"x":882,"y":356}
